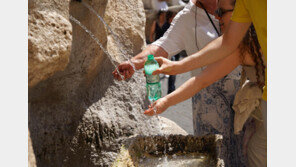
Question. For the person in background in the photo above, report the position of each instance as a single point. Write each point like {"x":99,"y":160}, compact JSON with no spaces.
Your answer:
{"x":191,"y":30}
{"x":159,"y":26}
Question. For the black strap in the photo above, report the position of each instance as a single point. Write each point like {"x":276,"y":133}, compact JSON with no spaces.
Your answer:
{"x":209,"y":18}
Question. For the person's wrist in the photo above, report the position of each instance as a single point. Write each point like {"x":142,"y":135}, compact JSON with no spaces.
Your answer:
{"x":166,"y":101}
{"x":177,"y":67}
{"x":137,"y":63}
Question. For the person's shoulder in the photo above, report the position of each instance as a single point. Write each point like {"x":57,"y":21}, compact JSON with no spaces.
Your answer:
{"x":185,"y":11}
{"x":179,"y":18}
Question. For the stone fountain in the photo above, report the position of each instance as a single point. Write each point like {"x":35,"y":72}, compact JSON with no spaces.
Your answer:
{"x":78,"y":115}
{"x":171,"y":150}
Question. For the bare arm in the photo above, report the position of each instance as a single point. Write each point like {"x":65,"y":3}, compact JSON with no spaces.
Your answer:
{"x":152,"y":31}
{"x":216,"y":50}
{"x":211,"y":74}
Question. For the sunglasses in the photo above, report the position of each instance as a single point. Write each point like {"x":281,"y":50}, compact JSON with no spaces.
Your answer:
{"x":220,"y":12}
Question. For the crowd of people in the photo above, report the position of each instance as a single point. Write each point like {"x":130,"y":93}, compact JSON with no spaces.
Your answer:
{"x":226,"y":43}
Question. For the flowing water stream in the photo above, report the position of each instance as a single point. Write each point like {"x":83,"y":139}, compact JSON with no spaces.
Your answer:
{"x":96,"y":40}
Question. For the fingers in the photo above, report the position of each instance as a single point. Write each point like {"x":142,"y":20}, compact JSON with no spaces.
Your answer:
{"x":116,"y":75}
{"x":126,"y":71}
{"x":158,"y":71}
{"x":130,"y":74}
{"x":153,"y":109}
{"x":165,"y":69}
{"x":165,"y":66}
{"x":123,"y":75}
{"x":127,"y":74}
{"x":159,"y":60}
{"x":149,"y":112}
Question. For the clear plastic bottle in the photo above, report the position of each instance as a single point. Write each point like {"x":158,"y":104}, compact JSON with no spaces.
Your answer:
{"x":152,"y":81}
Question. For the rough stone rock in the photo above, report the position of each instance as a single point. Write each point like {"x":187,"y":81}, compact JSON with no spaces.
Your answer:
{"x":49,"y":44}
{"x":79,"y":116}
{"x":147,"y":4}
{"x":117,"y":15}
{"x":31,"y":155}
{"x":170,"y":127}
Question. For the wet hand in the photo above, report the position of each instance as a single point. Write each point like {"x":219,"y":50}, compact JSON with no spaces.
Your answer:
{"x":157,"y":107}
{"x":125,"y":69}
{"x":166,"y":66}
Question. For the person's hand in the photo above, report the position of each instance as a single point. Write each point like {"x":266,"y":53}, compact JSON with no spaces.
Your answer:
{"x":125,"y":69}
{"x":166,"y":67}
{"x":157,"y":107}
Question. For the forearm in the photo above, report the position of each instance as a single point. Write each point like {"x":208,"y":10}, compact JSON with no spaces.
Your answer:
{"x":211,"y":74}
{"x":157,"y":51}
{"x":185,"y":91}
{"x":217,"y":49}
{"x":213,"y":52}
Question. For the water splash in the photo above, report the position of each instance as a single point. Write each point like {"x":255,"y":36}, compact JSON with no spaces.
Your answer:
{"x":160,"y":125}
{"x":178,"y":161}
{"x":96,"y":40}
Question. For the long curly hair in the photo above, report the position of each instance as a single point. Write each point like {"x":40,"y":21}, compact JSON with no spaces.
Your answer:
{"x":250,"y":44}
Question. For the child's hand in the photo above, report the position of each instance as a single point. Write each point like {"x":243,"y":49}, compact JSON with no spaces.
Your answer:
{"x":157,"y":107}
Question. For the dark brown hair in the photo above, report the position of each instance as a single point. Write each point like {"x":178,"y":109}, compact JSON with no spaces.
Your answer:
{"x":250,"y":44}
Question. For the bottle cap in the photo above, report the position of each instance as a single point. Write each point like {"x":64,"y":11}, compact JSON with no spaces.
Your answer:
{"x":150,"y":57}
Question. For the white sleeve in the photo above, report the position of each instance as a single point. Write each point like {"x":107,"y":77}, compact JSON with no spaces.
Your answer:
{"x":172,"y":41}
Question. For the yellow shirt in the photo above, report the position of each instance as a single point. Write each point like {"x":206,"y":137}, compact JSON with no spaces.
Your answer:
{"x":254,"y":11}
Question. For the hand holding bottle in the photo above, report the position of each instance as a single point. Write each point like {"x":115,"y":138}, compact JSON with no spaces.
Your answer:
{"x":166,"y":66}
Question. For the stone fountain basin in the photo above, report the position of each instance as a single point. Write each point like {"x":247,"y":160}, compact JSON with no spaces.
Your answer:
{"x":139,"y":150}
